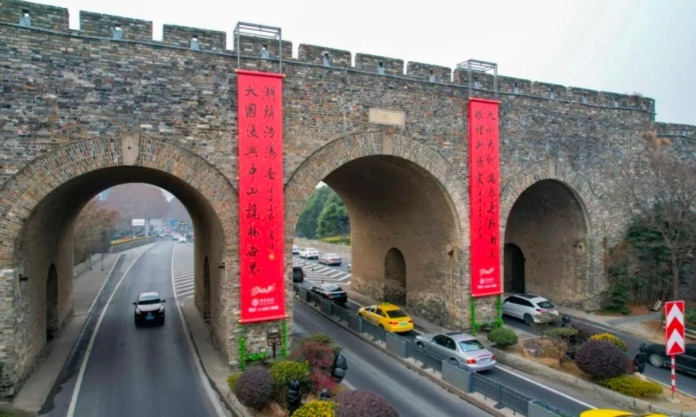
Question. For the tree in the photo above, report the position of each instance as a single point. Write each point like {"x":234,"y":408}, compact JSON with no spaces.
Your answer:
{"x":136,"y":201}
{"x":333,"y":218}
{"x":663,"y":205}
{"x":94,"y":222}
{"x":307,"y":221}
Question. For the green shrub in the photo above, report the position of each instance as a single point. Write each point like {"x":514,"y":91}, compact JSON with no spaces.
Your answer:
{"x":632,"y":386}
{"x":564,"y":333}
{"x":611,"y":339}
{"x":254,"y":388}
{"x":363,"y":404}
{"x":502,"y":337}
{"x":231,"y":381}
{"x":601,"y":359}
{"x":285,"y":371}
{"x":690,"y":318}
{"x":316,"y":409}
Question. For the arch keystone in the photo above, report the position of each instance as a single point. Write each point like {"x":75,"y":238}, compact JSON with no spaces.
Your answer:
{"x":130,"y":146}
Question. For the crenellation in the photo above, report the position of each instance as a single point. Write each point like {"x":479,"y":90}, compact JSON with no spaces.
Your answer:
{"x":550,"y":91}
{"x":255,"y":46}
{"x":511,"y":85}
{"x":379,"y":64}
{"x":479,"y":80}
{"x":583,"y":95}
{"x":427,"y":72}
{"x":193,"y":38}
{"x":34,"y":15}
{"x":108,"y":26}
{"x":320,"y":55}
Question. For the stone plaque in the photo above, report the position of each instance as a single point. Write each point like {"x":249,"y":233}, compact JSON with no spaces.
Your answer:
{"x":387,"y":117}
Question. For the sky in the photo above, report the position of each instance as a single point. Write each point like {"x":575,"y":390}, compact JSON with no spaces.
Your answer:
{"x":620,"y":46}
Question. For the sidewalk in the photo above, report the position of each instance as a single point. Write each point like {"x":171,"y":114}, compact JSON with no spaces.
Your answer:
{"x":35,"y":390}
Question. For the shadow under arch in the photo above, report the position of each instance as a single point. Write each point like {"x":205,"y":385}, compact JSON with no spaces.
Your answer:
{"x":527,"y":192}
{"x":45,"y":197}
{"x":400,"y":194}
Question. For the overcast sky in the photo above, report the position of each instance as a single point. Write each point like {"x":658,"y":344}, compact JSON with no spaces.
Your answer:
{"x":620,"y":46}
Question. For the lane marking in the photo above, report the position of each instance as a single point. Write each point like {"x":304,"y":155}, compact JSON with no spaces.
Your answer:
{"x":212,"y":395}
{"x":83,"y":366}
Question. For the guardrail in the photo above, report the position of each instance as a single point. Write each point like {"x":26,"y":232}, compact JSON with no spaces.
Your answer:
{"x":457,"y":375}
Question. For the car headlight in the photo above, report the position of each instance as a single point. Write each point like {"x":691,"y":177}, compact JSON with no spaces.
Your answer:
{"x":161,"y":310}
{"x":137,"y":312}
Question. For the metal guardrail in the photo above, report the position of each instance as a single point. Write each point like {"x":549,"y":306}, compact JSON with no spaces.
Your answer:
{"x":505,"y":397}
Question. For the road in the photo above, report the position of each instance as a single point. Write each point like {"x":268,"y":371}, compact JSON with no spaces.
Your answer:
{"x":138,"y":371}
{"x":372,"y":370}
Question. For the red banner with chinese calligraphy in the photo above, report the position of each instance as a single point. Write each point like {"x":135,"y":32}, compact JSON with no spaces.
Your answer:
{"x":261,"y":233}
{"x":484,"y":197}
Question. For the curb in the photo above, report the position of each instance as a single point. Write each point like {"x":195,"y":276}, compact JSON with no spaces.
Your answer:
{"x":605,"y":393}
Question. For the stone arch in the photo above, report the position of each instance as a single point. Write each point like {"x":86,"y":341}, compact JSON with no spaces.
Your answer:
{"x":44,"y":198}
{"x":395,"y":276}
{"x":593,"y":222}
{"x":380,"y":161}
{"x":51,"y":304}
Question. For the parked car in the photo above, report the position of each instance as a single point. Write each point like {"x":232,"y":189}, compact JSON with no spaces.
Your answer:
{"x":331,"y":292}
{"x":528,"y":307}
{"x":295,"y":250}
{"x":309,"y":253}
{"x":182,"y":239}
{"x":330,"y":259}
{"x":605,"y":412}
{"x":685,"y":362}
{"x":461,"y":347}
{"x":387,"y":316}
{"x":149,"y":308}
{"x":298,"y":274}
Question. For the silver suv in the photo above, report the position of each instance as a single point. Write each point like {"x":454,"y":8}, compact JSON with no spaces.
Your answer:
{"x":528,"y":307}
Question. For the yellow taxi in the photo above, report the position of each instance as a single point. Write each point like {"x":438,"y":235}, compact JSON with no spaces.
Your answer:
{"x":387,"y":316}
{"x":618,"y":413}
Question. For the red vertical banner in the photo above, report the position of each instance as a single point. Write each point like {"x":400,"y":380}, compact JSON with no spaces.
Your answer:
{"x":261,"y":217}
{"x":484,"y":197}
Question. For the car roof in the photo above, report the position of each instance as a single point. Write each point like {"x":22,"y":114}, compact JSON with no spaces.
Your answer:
{"x":388,"y":306}
{"x":148,"y":295}
{"x":460,"y":336}
{"x":529,"y":296}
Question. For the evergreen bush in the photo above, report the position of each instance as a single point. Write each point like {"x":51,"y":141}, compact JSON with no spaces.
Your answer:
{"x":285,"y":371}
{"x":254,"y":388}
{"x":632,"y":386}
{"x":363,"y":404}
{"x":601,"y":359}
{"x":611,"y":339}
{"x":502,"y":337}
{"x":232,"y":380}
{"x":316,"y":409}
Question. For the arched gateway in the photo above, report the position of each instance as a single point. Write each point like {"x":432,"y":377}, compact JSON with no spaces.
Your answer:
{"x":42,"y":202}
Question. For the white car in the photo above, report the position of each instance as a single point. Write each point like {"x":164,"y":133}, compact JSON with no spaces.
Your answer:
{"x":528,"y":307}
{"x":296,"y":250}
{"x":182,"y":239}
{"x":310,"y":253}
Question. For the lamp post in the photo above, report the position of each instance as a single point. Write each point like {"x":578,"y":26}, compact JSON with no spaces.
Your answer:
{"x":103,"y":239}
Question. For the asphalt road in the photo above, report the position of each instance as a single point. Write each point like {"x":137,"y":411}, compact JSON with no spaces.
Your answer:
{"x":140,"y":371}
{"x":372,"y":370}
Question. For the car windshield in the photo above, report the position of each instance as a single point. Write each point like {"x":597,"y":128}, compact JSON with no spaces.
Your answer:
{"x":396,"y":313}
{"x":546,"y":304}
{"x":332,"y":288}
{"x":470,"y":345}
{"x":149,"y":300}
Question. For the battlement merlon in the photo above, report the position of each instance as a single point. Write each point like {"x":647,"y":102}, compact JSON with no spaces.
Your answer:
{"x":56,"y":19}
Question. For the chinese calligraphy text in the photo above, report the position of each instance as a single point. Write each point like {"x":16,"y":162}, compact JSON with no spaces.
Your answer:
{"x":261,"y":237}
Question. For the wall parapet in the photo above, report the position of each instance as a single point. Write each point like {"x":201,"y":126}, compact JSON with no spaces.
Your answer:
{"x":56,"y":19}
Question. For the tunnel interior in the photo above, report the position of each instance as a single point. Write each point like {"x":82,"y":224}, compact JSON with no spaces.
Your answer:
{"x":545,"y":244}
{"x":45,"y":248}
{"x":402,"y":224}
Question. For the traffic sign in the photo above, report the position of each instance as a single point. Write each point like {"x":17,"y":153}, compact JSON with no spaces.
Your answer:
{"x":674,"y":327}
